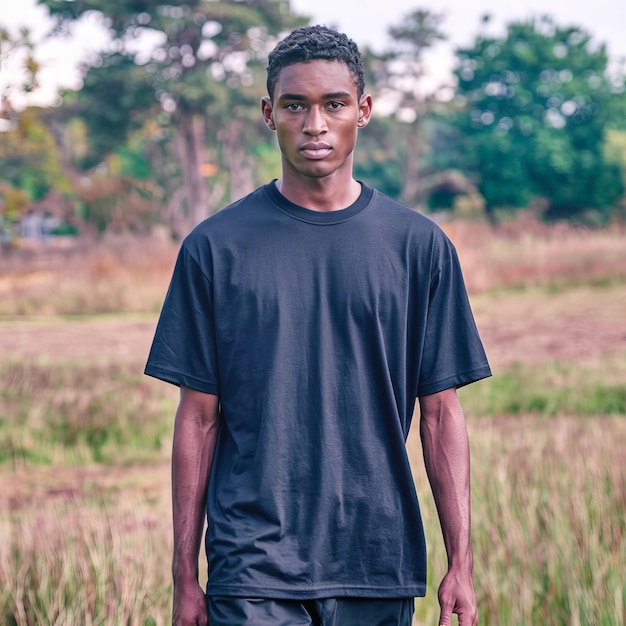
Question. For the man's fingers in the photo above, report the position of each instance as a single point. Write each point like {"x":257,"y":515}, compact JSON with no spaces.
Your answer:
{"x":445,"y":617}
{"x":446,"y":620}
{"x":467,"y":619}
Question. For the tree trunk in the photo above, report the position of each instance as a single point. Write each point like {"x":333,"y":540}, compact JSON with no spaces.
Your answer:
{"x":190,"y":148}
{"x":412,"y":169}
{"x":241,"y":179}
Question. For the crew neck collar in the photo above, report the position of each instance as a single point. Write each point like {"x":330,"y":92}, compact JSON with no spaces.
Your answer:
{"x":320,"y":217}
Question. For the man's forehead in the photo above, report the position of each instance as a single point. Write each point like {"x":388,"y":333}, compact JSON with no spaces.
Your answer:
{"x":304,"y":75}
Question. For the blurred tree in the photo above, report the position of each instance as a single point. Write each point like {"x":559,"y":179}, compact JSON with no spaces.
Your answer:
{"x":398,"y":74}
{"x":116,"y":203}
{"x":616,"y":134}
{"x":378,"y":160}
{"x":194,"y":66}
{"x":29,"y":159}
{"x":17,"y":60}
{"x":116,"y":99}
{"x":30,"y":167}
{"x":533,"y":110}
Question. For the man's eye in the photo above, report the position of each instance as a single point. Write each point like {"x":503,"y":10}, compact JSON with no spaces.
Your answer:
{"x":294,"y":106}
{"x":335,"y":105}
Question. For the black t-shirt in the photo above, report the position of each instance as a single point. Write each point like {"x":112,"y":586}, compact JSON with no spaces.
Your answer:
{"x":318,"y":330}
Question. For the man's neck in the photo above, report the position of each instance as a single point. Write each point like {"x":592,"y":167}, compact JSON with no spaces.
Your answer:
{"x":321,"y":194}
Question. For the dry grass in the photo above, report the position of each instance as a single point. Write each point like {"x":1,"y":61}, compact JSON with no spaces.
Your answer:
{"x":94,"y":557}
{"x":93,"y":547}
{"x":525,"y":253}
{"x":123,"y":274}
{"x":549,"y":532}
{"x":130,"y":274}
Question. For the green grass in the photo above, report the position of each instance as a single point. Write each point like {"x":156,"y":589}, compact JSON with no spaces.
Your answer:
{"x":73,"y":413}
{"x":550,"y":389}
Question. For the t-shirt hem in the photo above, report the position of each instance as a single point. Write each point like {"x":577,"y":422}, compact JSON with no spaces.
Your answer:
{"x":181,"y":380}
{"x":458,"y":380}
{"x":316,"y":592}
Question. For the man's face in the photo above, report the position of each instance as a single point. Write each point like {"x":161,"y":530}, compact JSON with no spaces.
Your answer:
{"x":316,"y":115}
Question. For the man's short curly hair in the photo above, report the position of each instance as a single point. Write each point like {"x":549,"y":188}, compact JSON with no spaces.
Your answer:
{"x":312,"y":43}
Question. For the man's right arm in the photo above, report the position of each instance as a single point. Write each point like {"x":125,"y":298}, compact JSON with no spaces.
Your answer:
{"x":195,"y":435}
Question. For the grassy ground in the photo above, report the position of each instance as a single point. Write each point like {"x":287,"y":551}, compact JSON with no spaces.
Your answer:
{"x":85,"y":437}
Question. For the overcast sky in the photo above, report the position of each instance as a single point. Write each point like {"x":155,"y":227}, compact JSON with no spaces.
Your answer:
{"x":364,"y":21}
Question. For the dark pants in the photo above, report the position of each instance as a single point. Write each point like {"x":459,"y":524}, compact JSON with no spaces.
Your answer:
{"x":232,"y":611}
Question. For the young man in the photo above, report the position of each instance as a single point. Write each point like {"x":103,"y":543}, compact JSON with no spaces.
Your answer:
{"x":301,"y":324}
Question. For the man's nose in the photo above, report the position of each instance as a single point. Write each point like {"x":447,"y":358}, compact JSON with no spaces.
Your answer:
{"x":315,"y":122}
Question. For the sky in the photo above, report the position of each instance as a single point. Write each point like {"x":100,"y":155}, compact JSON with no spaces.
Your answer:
{"x":365,"y":21}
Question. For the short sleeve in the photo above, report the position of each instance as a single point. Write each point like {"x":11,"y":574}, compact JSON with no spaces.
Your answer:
{"x":453,"y":354}
{"x":183,"y":350}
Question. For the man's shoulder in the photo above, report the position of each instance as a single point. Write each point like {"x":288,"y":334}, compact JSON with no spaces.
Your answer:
{"x":395,"y":211}
{"x":239,"y":209}
{"x":233,"y":215}
{"x":220,"y":228}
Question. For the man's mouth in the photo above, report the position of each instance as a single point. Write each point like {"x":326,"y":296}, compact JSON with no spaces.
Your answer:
{"x":315,"y":150}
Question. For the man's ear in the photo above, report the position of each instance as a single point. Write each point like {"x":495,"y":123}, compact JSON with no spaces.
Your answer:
{"x":365,"y":110}
{"x":268,"y":110}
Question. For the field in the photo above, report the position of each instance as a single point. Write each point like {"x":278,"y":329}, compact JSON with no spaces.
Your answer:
{"x":85,"y":437}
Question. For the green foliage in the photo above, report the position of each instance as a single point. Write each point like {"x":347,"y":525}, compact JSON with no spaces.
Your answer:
{"x":30,"y":169}
{"x":131,"y":158}
{"x":116,"y":98}
{"x":615,"y":149}
{"x":12,"y":203}
{"x":617,"y":104}
{"x":533,"y":112}
{"x":172,"y":110}
{"x":268,"y":159}
{"x":29,"y":159}
{"x":378,"y":157}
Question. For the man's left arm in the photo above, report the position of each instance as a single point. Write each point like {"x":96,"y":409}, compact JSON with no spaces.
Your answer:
{"x":446,"y":451}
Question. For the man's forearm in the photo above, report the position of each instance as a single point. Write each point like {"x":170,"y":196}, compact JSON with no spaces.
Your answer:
{"x":195,"y":435}
{"x":445,"y":446}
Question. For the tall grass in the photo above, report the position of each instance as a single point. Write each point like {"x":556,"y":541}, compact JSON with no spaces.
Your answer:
{"x":549,"y":534}
{"x":85,"y":561}
{"x":549,"y":531}
{"x":67,"y":413}
{"x":127,"y":274}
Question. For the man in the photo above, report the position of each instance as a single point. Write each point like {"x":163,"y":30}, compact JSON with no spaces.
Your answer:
{"x":301,"y":324}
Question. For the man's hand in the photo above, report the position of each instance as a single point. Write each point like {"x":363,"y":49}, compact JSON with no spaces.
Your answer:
{"x":189,"y":606}
{"x":456,"y":595}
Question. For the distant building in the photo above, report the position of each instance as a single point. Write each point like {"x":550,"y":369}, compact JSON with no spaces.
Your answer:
{"x":38,"y":226}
